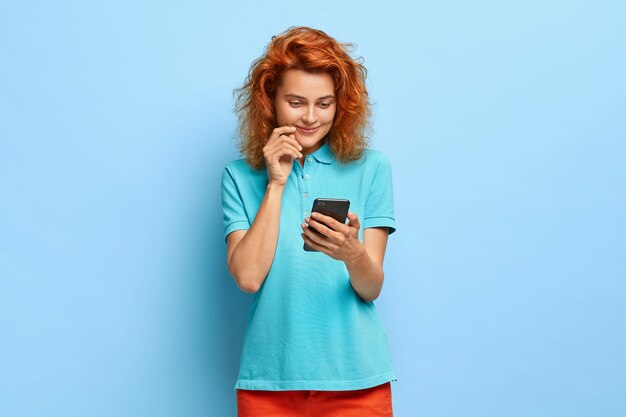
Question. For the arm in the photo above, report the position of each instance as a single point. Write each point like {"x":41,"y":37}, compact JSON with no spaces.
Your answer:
{"x":366,"y":269}
{"x":363,"y":260}
{"x":251,"y":252}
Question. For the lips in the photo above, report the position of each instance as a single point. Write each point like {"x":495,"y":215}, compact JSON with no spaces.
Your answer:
{"x":307,"y":131}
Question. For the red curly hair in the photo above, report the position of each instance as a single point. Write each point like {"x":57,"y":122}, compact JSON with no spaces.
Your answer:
{"x":314,"y":51}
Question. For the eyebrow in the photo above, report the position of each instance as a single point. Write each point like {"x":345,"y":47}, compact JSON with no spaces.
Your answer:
{"x":303,"y":98}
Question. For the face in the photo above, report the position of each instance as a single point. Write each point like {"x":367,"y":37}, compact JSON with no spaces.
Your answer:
{"x":307,"y":101}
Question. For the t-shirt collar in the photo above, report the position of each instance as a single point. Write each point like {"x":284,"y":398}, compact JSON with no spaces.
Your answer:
{"x":324,"y":154}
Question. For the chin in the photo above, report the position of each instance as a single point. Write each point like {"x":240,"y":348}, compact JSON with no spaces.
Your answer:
{"x":309,"y":143}
{"x":309,"y":139}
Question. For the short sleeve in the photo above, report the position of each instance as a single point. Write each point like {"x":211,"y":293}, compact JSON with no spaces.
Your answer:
{"x":232,"y":205}
{"x":379,"y":205}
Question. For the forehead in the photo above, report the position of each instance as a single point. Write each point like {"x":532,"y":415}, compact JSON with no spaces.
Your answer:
{"x":306,"y":84}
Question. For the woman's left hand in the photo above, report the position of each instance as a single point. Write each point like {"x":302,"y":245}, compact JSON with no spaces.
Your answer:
{"x":339,"y":241}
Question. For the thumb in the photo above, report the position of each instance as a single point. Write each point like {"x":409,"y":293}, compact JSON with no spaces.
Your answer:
{"x":353,"y":220}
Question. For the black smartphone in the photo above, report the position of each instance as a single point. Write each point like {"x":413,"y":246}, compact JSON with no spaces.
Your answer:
{"x":336,"y":208}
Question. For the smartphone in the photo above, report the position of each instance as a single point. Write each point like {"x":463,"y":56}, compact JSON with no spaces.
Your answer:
{"x":336,"y":208}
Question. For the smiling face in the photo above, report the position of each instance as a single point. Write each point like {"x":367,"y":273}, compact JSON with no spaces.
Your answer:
{"x":306,"y":100}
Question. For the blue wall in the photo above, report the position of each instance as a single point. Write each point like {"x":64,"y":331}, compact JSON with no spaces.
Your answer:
{"x":505,"y":290}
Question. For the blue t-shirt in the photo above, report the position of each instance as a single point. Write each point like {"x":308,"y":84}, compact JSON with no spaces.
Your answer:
{"x":307,"y":328}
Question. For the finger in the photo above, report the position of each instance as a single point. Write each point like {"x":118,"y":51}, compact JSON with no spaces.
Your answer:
{"x":284,"y":148}
{"x":316,"y":238}
{"x":329,"y":221}
{"x":292,"y":139}
{"x":287,"y":139}
{"x":284,"y":130}
{"x":289,"y":148}
{"x":324,"y":230}
{"x":277,"y":132}
{"x":279,"y":154}
{"x":317,"y":242}
{"x":353,"y":220}
{"x":283,"y":134}
{"x":312,"y":244}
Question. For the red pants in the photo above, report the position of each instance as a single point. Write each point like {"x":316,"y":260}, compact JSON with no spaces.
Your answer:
{"x":369,"y":402}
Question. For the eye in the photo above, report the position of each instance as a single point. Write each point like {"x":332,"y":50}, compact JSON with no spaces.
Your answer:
{"x":294,"y":103}
{"x":324,"y":105}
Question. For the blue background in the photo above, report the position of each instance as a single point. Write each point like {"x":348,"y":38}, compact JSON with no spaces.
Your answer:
{"x":505,"y":289}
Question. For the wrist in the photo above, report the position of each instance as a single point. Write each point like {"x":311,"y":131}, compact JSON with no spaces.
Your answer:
{"x":273,"y":186}
{"x":357,"y":257}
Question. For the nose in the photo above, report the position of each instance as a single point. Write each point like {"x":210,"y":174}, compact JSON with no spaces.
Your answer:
{"x":310,"y":116}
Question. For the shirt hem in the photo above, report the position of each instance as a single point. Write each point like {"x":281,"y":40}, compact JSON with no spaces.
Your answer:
{"x":315,"y":385}
{"x":238,"y":225}
{"x":380,"y":222}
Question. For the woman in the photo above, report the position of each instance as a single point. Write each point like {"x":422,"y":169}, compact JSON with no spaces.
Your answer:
{"x":314,"y":342}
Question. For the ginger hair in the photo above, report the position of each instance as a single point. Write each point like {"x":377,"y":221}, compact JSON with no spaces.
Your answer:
{"x":313,"y":51}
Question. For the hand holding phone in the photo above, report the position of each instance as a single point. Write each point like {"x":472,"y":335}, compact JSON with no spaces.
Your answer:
{"x":333,"y":207}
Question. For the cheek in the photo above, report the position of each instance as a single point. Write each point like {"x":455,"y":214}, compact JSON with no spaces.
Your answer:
{"x":281,"y":111}
{"x":331,"y":114}
{"x":286,"y":114}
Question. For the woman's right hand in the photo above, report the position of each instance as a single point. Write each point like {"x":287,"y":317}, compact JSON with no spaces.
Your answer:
{"x":279,"y":152}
